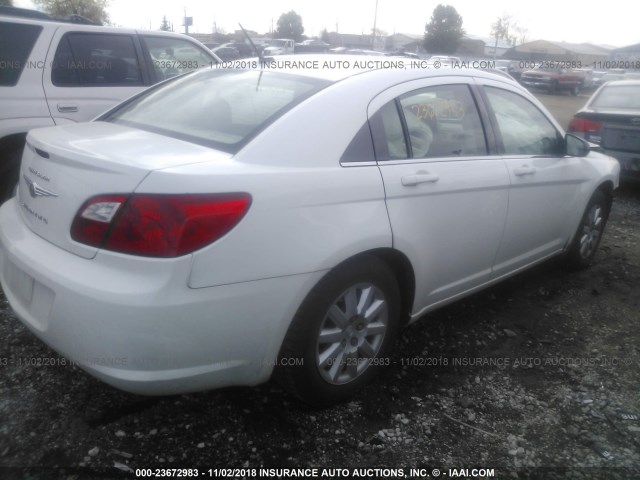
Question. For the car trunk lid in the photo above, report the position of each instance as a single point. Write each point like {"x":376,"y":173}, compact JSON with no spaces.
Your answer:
{"x":63,"y":167}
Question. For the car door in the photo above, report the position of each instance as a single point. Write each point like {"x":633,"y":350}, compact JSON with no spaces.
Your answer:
{"x":89,"y":72}
{"x":545,"y":183}
{"x":446,"y":195}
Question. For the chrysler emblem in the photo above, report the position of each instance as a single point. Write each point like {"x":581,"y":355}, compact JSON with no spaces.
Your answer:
{"x":36,"y":190}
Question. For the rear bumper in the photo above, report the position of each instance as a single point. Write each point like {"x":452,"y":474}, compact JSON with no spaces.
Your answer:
{"x":135,"y":324}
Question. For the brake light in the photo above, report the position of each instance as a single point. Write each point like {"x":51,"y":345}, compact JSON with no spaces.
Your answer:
{"x":156,"y":225}
{"x":584,"y":125}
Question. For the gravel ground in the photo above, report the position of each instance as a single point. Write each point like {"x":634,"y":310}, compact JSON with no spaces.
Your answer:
{"x":534,"y":378}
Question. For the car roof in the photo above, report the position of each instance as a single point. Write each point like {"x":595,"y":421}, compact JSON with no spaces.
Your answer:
{"x":339,"y":67}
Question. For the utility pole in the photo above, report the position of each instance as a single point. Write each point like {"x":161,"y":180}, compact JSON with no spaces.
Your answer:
{"x":187,"y":21}
{"x":375,"y":24}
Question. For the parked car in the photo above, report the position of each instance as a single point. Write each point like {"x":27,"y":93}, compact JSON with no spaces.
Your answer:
{"x":279,"y":46}
{"x":553,"y":79}
{"x":228,"y":241}
{"x":54,"y":72}
{"x":400,"y":53}
{"x":611,"y":118}
{"x":362,"y":51}
{"x":244,"y":49}
{"x":587,"y":78}
{"x":312,"y":46}
{"x":445,"y":61}
{"x":510,"y":67}
{"x":226,"y":54}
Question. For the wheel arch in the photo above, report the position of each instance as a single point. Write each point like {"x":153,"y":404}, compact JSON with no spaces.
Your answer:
{"x":607,"y":188}
{"x":14,"y":140}
{"x":10,"y":155}
{"x":404,"y":274}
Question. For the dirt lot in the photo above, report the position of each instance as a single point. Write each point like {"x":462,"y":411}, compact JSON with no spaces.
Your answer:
{"x":563,"y":105}
{"x":535,"y":378}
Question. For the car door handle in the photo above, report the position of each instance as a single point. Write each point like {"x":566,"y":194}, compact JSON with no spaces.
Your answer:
{"x":524,"y":170}
{"x":420,"y":177}
{"x":67,"y":108}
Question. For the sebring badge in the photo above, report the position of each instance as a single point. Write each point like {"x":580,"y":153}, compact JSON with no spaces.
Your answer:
{"x":36,"y":190}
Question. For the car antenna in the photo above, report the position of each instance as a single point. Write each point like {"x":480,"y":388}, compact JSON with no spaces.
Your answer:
{"x":259,"y":54}
{"x":253,"y":45}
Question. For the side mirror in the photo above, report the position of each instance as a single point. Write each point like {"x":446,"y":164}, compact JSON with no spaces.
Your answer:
{"x":575,"y":146}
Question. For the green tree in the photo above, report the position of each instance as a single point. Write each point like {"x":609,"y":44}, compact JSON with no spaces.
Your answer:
{"x":165,"y":26}
{"x":95,"y":10}
{"x":444,"y":31}
{"x":290,"y":26}
{"x":6,"y":3}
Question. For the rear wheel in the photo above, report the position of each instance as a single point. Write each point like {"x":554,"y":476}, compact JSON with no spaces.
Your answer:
{"x":342,"y":333}
{"x":589,"y":232}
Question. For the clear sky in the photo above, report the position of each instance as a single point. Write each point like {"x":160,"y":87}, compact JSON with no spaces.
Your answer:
{"x":613,"y":22}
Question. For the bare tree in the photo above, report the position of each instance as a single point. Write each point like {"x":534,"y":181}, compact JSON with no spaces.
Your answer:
{"x":95,"y":10}
{"x":500,"y":30}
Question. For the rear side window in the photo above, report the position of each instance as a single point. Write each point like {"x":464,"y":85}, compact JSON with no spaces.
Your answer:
{"x":16,"y":43}
{"x":433,"y":122}
{"x":96,"y":60}
{"x":222,"y":109}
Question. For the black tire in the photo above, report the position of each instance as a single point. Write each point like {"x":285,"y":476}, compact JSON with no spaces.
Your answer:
{"x":554,"y":87}
{"x":587,"y":238}
{"x":9,"y":172}
{"x":361,"y":343}
{"x":575,"y":90}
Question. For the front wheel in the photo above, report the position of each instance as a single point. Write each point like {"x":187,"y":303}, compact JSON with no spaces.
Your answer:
{"x":589,"y":234}
{"x":342,"y":333}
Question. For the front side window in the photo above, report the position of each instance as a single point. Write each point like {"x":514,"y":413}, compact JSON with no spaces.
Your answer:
{"x":16,"y":43}
{"x":96,"y":60}
{"x":174,"y":56}
{"x":433,"y":122}
{"x":222,"y":109}
{"x":524,"y":129}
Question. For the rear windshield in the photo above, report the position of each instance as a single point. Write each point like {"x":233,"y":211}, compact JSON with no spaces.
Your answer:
{"x":16,"y":42}
{"x":618,"y":96}
{"x":222,"y":109}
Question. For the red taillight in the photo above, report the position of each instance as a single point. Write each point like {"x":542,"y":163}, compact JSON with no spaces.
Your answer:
{"x":158,"y":225}
{"x":584,"y":125}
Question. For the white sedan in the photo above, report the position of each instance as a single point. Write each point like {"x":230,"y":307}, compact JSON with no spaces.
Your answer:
{"x":229,"y":224}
